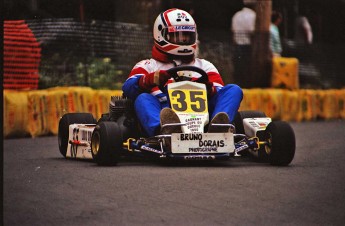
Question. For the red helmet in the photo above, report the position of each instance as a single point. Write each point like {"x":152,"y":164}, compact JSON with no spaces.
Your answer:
{"x":174,"y":32}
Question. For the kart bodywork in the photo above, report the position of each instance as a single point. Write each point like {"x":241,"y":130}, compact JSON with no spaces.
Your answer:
{"x":118,"y":132}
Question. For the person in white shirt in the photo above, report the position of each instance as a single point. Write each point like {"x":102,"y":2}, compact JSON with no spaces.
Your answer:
{"x":243,"y":27}
{"x":303,"y":36}
{"x":303,"y":33}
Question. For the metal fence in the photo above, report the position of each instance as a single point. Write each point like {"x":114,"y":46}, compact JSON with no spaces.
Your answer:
{"x":101,"y":54}
{"x":321,"y":65}
{"x":75,"y":53}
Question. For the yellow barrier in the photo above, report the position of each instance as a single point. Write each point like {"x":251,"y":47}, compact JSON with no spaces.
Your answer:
{"x":271,"y":102}
{"x":15,"y":113}
{"x":329,"y":108}
{"x":37,"y":113}
{"x":81,"y":98}
{"x":290,"y":106}
{"x":251,"y":100}
{"x":285,"y":73}
{"x":308,"y":105}
{"x":341,"y":100}
{"x":58,"y":105}
{"x":102,"y":99}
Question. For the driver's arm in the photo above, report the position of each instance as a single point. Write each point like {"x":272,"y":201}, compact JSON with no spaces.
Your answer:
{"x":143,"y":78}
{"x":150,"y":80}
{"x":215,"y":81}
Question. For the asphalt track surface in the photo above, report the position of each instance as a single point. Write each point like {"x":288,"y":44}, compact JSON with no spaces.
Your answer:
{"x":43,"y":188}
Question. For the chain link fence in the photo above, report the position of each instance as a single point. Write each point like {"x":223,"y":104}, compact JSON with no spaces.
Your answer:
{"x":100,"y":54}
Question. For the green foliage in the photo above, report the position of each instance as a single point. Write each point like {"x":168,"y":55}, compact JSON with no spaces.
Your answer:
{"x":69,"y":70}
{"x":100,"y":74}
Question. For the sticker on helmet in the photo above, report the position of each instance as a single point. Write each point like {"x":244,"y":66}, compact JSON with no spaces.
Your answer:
{"x":181,"y":28}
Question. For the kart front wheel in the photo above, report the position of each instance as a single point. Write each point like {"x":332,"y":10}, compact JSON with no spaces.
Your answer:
{"x":65,"y":121}
{"x":281,"y":143}
{"x":106,"y":143}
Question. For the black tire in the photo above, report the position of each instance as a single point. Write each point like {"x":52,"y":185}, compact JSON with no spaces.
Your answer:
{"x":238,"y":121}
{"x":65,"y":121}
{"x":106,"y":143}
{"x":281,"y":143}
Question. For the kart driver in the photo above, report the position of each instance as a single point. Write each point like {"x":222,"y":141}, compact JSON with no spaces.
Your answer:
{"x":175,"y":44}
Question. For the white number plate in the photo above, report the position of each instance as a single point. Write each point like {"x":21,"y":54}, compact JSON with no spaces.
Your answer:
{"x":198,"y":143}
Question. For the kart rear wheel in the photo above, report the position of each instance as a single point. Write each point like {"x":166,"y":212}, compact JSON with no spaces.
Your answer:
{"x":281,"y":143}
{"x":238,"y":121}
{"x":106,"y":143}
{"x":65,"y":121}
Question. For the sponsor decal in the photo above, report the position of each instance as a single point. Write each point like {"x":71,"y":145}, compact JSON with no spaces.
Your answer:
{"x":80,"y":142}
{"x":181,"y":28}
{"x":201,"y":150}
{"x":190,"y":136}
{"x":145,"y":148}
{"x":182,"y":15}
{"x":262,"y":125}
{"x":193,"y":124}
{"x":171,"y":29}
{"x":241,"y":148}
{"x":204,"y":145}
{"x":74,"y":148}
{"x":86,"y":135}
{"x":257,"y":124}
{"x":199,"y":157}
{"x":211,"y":143}
{"x":184,"y":51}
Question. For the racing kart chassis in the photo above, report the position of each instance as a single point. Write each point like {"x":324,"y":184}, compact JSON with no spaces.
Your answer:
{"x":105,"y":142}
{"x":118,"y":132}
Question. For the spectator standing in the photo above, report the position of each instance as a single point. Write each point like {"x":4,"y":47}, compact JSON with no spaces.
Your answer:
{"x":303,"y":32}
{"x":243,"y":26}
{"x":303,"y":37}
{"x":275,"y":43}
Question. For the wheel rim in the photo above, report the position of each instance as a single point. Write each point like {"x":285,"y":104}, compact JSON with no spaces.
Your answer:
{"x":268,"y":146}
{"x":95,"y":142}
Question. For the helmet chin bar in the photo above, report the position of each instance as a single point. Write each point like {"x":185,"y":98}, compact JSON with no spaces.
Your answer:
{"x":175,"y":50}
{"x":185,"y":51}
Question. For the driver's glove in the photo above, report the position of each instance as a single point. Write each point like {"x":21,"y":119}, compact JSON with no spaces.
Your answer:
{"x":156,"y":78}
{"x":211,"y":90}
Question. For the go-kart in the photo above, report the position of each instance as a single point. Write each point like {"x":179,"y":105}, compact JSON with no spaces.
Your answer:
{"x":118,"y":132}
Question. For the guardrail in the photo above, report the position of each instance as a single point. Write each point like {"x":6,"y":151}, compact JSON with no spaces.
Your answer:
{"x":37,"y":113}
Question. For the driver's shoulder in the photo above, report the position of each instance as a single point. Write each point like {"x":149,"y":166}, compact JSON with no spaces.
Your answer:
{"x":201,"y":61}
{"x":150,"y":65}
{"x":203,"y":64}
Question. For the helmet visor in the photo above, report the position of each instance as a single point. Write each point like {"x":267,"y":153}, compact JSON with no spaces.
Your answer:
{"x":180,"y":35}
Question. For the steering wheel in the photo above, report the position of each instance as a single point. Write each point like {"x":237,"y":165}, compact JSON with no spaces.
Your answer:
{"x":173,"y":73}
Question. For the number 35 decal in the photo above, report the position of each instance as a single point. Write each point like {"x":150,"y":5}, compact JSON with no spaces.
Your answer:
{"x":188,"y":100}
